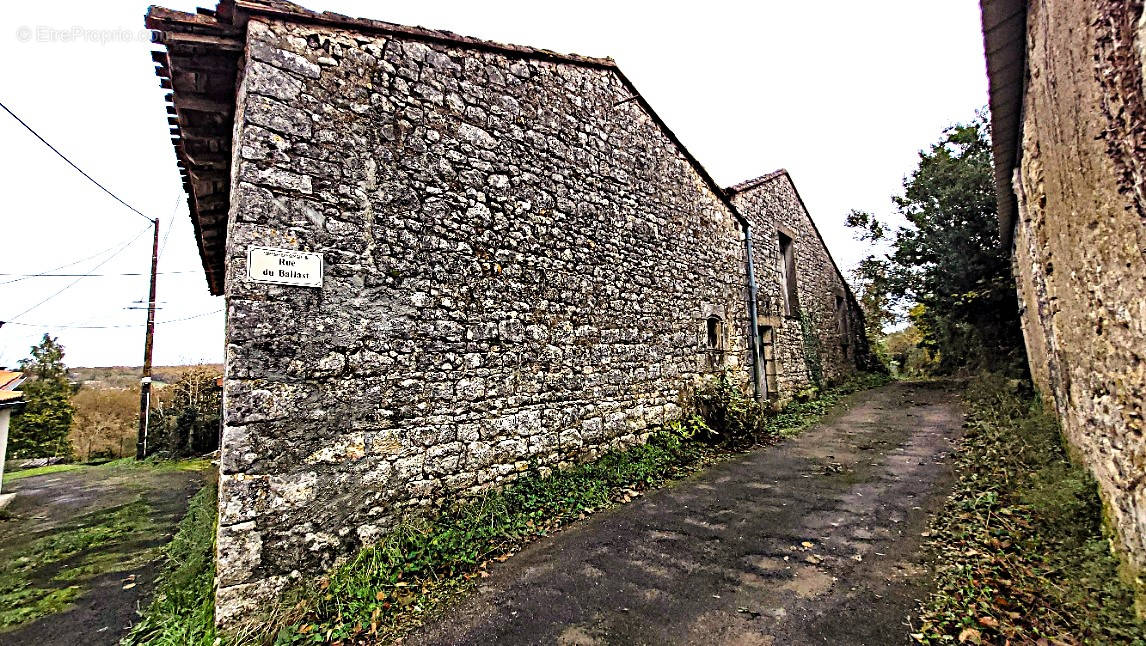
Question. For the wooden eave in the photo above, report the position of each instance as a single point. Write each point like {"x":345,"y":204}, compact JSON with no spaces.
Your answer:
{"x":1005,"y":47}
{"x":199,"y":63}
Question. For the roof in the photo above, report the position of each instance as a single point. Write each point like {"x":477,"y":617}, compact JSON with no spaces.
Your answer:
{"x":1005,"y":46}
{"x":10,"y":380}
{"x":200,"y":66}
{"x":752,"y":184}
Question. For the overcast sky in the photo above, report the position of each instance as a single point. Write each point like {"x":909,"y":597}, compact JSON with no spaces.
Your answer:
{"x":842,"y":94}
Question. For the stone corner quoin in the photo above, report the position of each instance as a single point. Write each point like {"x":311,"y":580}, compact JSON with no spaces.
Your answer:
{"x":521,"y":265}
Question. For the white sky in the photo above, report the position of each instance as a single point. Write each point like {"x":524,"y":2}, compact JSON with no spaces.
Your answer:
{"x":841,"y":93}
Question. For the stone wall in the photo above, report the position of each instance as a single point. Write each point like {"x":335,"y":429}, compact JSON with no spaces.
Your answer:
{"x":823,"y":339}
{"x":1079,"y":243}
{"x":519,"y":265}
{"x":520,"y":268}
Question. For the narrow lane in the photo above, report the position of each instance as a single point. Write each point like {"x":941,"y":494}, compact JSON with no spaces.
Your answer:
{"x":813,"y":541}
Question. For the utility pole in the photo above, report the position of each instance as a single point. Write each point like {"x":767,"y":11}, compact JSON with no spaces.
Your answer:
{"x":149,"y":341}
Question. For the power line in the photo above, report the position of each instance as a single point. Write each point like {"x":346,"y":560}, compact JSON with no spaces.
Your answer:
{"x":128,"y":273}
{"x":69,"y":285}
{"x":72,"y":164}
{"x":171,"y":224}
{"x":108,"y":327}
{"x":68,"y":264}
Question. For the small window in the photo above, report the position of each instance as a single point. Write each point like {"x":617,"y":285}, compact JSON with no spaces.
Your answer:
{"x":787,"y":268}
{"x":715,"y":329}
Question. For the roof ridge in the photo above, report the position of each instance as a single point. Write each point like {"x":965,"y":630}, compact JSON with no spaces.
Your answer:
{"x":750,"y":184}
{"x":291,"y":11}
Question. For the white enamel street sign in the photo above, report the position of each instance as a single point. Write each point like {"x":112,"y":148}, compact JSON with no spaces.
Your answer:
{"x":284,"y":267}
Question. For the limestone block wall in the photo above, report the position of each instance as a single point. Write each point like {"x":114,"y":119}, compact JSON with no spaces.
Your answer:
{"x":1080,"y":241}
{"x":519,"y":268}
{"x":833,"y":342}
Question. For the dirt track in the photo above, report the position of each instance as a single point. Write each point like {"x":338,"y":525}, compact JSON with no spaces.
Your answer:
{"x":814,"y":541}
{"x":50,"y":503}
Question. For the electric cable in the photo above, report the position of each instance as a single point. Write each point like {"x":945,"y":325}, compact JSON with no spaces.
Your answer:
{"x":127,"y":273}
{"x":73,"y":165}
{"x":69,"y":285}
{"x":69,"y":264}
{"x":111,"y":327}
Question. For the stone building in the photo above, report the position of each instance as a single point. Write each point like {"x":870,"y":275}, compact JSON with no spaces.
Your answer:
{"x":1069,"y":122}
{"x":517,"y":263}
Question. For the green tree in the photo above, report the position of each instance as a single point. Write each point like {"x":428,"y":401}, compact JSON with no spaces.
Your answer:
{"x":949,"y":257}
{"x":186,"y":418}
{"x":41,"y":428}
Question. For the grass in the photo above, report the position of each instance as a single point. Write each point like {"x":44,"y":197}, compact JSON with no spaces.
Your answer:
{"x":384,"y":590}
{"x":30,"y":584}
{"x":183,"y":610}
{"x":1022,"y":553}
{"x":46,"y":574}
{"x":391,"y":587}
{"x":39,"y":471}
{"x":193,"y":464}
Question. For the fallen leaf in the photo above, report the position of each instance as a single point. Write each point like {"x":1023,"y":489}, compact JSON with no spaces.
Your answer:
{"x":989,"y":621}
{"x":970,"y":635}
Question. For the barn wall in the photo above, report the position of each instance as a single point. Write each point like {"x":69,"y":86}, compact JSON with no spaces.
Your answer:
{"x":519,"y":268}
{"x":823,"y":339}
{"x":1080,"y":241}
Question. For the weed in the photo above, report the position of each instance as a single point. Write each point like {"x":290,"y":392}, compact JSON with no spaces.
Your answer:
{"x":183,"y":611}
{"x":726,"y":416}
{"x":813,"y":352}
{"x":390,"y":587}
{"x":1021,"y":552}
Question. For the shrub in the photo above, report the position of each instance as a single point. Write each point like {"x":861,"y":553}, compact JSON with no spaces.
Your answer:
{"x":1020,"y":544}
{"x":726,"y":416}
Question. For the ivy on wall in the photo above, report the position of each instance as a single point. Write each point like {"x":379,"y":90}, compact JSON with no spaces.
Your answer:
{"x":813,"y":351}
